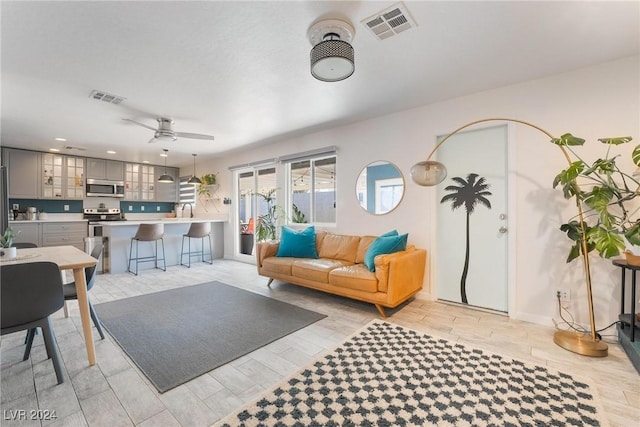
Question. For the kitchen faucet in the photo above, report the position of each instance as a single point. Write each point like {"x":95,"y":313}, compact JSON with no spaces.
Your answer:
{"x":190,"y":209}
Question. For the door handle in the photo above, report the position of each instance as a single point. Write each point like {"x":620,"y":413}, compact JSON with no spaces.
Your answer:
{"x":502,"y":229}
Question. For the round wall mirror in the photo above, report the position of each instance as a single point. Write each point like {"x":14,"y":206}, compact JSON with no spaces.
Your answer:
{"x":380,"y":187}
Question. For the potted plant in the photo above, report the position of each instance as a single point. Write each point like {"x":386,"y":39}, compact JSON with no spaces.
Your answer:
{"x":266,"y":226}
{"x":609,"y":196}
{"x":6,"y":244}
{"x":208,"y":180}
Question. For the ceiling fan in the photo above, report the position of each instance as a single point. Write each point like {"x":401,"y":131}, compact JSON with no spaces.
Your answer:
{"x":165,"y":132}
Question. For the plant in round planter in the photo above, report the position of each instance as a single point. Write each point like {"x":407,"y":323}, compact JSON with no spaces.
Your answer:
{"x":6,"y":244}
{"x":611,"y":222}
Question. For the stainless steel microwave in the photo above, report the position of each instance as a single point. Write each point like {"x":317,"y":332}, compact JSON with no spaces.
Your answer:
{"x":104,"y":188}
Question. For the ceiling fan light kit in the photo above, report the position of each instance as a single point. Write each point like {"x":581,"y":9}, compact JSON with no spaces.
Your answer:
{"x":165,"y":132}
{"x":332,"y":57}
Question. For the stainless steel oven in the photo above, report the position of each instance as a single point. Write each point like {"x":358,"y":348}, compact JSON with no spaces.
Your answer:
{"x":96,"y":217}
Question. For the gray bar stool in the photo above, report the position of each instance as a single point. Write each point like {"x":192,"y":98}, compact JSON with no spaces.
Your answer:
{"x":147,"y":233}
{"x":197,"y":230}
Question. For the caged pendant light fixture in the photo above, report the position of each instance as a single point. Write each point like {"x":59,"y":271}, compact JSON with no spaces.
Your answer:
{"x":194,"y":179}
{"x":332,"y":57}
{"x":165,"y":178}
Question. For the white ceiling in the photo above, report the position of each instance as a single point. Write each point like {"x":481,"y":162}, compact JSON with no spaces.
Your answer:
{"x":240,"y":70}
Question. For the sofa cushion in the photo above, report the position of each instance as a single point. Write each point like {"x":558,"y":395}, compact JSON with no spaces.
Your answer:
{"x":335,"y":246}
{"x":277,"y":265}
{"x":365,"y":242}
{"x":315,"y":269}
{"x":384,"y":245}
{"x":356,"y":277}
{"x":298,"y":244}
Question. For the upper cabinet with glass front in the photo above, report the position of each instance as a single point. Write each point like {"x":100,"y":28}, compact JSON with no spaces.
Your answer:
{"x":139,"y":182}
{"x":62,"y":176}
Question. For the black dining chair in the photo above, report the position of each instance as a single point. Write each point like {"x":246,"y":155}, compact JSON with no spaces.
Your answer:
{"x":30,"y":293}
{"x":70,"y":293}
{"x":25,"y":245}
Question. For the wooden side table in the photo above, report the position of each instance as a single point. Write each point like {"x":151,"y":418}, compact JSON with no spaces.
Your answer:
{"x":630,"y":318}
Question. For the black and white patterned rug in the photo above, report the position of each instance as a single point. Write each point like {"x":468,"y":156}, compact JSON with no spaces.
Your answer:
{"x":388,"y":375}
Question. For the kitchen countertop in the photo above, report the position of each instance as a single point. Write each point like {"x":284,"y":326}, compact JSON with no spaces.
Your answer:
{"x":28,"y":221}
{"x":166,"y":221}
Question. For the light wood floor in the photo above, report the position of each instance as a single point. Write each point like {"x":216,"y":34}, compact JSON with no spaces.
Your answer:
{"x":114,"y":393}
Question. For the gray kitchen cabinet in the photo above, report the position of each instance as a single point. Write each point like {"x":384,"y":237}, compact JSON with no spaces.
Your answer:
{"x":62,"y":176}
{"x":139,"y":182}
{"x":105,"y":169}
{"x":64,"y":233}
{"x":25,"y":232}
{"x":23,"y":168}
{"x":167,"y":192}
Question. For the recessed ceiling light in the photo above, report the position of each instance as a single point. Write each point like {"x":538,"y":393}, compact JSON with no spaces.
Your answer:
{"x":111,"y":152}
{"x":61,"y":139}
{"x":145,"y":161}
{"x":55,"y":150}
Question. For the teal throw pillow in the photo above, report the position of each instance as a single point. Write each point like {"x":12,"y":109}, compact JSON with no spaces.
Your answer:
{"x":298,"y":244}
{"x":384,"y":245}
{"x":389,"y":233}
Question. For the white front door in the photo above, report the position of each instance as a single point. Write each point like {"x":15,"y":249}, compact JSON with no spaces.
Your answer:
{"x":471,"y":243}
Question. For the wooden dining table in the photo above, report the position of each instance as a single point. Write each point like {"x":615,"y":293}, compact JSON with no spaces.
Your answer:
{"x":67,"y":258}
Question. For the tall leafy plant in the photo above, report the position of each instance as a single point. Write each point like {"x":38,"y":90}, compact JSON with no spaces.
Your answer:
{"x":609,"y":196}
{"x":266,"y":225}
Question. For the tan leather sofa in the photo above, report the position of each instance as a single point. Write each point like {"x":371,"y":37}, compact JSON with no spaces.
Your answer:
{"x":339,"y":270}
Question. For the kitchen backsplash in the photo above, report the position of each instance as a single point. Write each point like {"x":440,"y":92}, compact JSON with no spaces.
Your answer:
{"x":76,"y":206}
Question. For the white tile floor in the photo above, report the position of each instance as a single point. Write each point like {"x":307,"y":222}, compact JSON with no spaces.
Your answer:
{"x":114,"y":393}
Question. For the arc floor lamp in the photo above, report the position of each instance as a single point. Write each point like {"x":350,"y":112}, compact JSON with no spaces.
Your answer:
{"x":431,"y":173}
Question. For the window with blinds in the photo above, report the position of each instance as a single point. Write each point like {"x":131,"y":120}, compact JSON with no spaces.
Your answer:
{"x":187,"y":191}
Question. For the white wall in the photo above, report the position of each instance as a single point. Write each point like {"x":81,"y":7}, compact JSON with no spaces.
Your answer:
{"x":599,"y":101}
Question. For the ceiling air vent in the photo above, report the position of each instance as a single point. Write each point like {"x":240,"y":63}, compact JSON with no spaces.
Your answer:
{"x":390,"y":22}
{"x":106,"y":97}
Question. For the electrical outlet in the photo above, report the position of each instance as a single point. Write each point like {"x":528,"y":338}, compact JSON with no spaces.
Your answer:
{"x":142,"y":208}
{"x":158,"y":208}
{"x":564,"y":293}
{"x":66,"y":208}
{"x":130,"y":208}
{"x":16,"y":207}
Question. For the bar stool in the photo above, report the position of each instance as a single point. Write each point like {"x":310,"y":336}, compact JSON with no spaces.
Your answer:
{"x":197,"y":230}
{"x":147,"y":233}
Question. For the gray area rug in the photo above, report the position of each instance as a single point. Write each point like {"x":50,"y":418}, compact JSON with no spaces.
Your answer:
{"x":176,"y":335}
{"x":388,"y":375}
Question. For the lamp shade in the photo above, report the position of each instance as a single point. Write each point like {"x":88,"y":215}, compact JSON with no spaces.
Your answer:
{"x":166,"y":179}
{"x":332,"y":60}
{"x":194,"y":180}
{"x":428,"y":173}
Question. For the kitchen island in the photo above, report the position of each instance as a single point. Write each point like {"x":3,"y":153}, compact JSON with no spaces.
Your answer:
{"x":118,"y":236}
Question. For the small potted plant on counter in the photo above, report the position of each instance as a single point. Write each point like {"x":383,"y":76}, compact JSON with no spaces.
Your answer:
{"x":6,"y":244}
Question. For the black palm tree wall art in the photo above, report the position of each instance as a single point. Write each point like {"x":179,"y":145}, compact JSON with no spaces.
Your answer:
{"x":468,"y":193}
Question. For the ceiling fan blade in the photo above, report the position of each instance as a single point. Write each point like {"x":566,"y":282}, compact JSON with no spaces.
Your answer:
{"x":194,"y":135}
{"x":140,"y":124}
